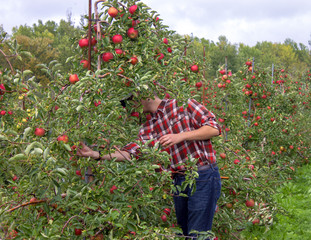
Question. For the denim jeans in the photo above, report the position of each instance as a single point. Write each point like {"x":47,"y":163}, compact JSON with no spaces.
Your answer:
{"x":196,"y":212}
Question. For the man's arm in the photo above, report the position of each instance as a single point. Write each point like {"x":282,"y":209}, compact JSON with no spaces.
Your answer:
{"x":85,"y":151}
{"x":203,"y":133}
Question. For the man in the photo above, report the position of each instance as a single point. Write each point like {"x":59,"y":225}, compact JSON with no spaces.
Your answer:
{"x":181,"y":130}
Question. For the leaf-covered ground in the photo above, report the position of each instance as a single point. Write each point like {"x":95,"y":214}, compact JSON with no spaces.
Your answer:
{"x":294,"y":219}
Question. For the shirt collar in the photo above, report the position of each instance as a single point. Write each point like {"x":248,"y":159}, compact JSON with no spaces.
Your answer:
{"x":160,"y":109}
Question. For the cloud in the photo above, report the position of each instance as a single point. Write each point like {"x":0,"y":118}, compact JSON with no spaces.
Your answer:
{"x":238,"y":20}
{"x":21,"y":12}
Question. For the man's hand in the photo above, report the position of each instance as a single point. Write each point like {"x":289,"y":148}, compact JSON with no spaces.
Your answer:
{"x":169,"y":140}
{"x":85,"y":151}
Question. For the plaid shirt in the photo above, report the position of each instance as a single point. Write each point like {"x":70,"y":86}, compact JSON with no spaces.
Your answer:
{"x":170,"y":119}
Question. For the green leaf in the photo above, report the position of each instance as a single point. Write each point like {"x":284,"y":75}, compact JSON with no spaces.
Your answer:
{"x":19,"y":156}
{"x":3,"y":138}
{"x":67,"y":147}
{"x":61,"y":171}
{"x":79,"y":108}
{"x":31,"y":146}
{"x":26,"y":132}
{"x":46,"y":153}
{"x":26,"y":72}
{"x":37,"y":151}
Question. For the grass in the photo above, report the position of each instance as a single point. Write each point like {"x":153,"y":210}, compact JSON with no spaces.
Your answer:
{"x":295,"y":221}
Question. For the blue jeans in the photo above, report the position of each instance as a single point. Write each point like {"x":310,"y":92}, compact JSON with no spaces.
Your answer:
{"x":196,"y":212}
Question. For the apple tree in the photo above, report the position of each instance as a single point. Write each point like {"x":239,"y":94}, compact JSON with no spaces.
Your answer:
{"x":46,"y":190}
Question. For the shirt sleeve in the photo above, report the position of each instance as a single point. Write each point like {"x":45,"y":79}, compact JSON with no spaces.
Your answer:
{"x":200,"y":116}
{"x":132,"y":148}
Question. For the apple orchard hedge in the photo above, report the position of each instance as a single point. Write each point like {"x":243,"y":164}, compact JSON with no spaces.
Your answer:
{"x":46,"y":191}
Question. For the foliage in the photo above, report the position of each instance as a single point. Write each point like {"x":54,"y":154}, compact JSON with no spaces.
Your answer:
{"x":264,"y":126}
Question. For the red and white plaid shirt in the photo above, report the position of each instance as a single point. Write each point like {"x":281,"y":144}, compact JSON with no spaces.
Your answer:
{"x":171,"y":119}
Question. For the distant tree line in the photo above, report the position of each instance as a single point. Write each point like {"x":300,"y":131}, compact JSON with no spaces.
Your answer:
{"x":289,"y":55}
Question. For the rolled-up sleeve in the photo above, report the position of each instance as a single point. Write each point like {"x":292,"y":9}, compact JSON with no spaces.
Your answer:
{"x":132,"y":148}
{"x":200,"y":116}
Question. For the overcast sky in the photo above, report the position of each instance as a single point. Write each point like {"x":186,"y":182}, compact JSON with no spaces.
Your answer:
{"x":241,"y":21}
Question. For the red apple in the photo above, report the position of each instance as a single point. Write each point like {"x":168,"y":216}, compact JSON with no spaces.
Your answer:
{"x":222,"y":72}
{"x":132,"y":9}
{"x":63,"y":138}
{"x":2,"y":112}
{"x":164,"y":218}
{"x":133,"y":60}
{"x":73,"y":78}
{"x":135,"y":114}
{"x":224,"y":77}
{"x":169,"y":49}
{"x":107,"y":56}
{"x":121,"y":71}
{"x":132,"y":33}
{"x":33,"y":200}
{"x":93,"y":41}
{"x":78,"y":231}
{"x":2,"y":89}
{"x":222,"y":155}
{"x":39,"y":132}
{"x":236,"y":161}
{"x":194,"y":68}
{"x":135,"y":22}
{"x":10,"y":112}
{"x":160,"y":56}
{"x":112,"y":189}
{"x":113,"y":12}
{"x":84,"y":42}
{"x":118,"y":51}
{"x":97,"y":103}
{"x":117,"y":39}
{"x":14,"y":178}
{"x":165,"y":41}
{"x":84,"y":63}
{"x":78,"y":172}
{"x":199,"y":84}
{"x":250,"y":203}
{"x":167,"y":211}
{"x":248,"y":63}
{"x":221,"y":120}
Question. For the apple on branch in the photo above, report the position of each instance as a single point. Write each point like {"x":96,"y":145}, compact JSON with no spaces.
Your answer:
{"x":117,"y":39}
{"x":107,"y":56}
{"x":132,"y":9}
{"x":250,"y":203}
{"x":63,"y":138}
{"x":78,"y":231}
{"x":84,"y":42}
{"x":160,"y":56}
{"x":134,"y":60}
{"x":113,"y":188}
{"x":132,"y":33}
{"x":84,"y":63}
{"x":73,"y":78}
{"x":194,"y":68}
{"x":113,"y":12}
{"x":2,"y":89}
{"x":39,"y":132}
